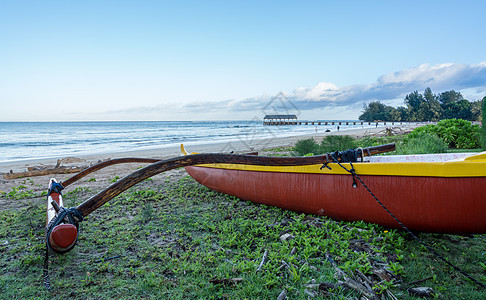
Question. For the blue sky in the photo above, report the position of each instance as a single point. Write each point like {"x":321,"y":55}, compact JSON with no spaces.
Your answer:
{"x":193,"y":60}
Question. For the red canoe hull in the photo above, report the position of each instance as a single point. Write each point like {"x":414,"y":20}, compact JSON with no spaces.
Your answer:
{"x":431,"y":204}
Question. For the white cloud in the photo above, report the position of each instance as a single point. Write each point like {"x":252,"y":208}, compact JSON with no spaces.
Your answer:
{"x":389,"y":88}
{"x":394,"y":86}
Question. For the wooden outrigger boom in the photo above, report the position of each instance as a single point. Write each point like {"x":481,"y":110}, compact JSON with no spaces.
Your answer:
{"x":61,"y":237}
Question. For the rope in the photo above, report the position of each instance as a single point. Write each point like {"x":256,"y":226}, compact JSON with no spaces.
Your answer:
{"x":350,"y":155}
{"x":353,"y":173}
{"x":55,"y":187}
{"x":47,"y":282}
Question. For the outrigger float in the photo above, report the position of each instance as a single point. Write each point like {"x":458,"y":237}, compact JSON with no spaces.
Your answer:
{"x":432,"y":193}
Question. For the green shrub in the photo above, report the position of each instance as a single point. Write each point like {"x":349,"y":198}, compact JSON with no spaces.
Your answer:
{"x":333,"y":143}
{"x":329,"y":144}
{"x":422,"y":143}
{"x":306,"y":147}
{"x":457,"y":133}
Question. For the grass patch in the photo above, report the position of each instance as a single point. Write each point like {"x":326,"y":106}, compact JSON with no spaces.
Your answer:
{"x":463,"y":150}
{"x":184,"y":241}
{"x":278,"y":149}
{"x":466,"y":252}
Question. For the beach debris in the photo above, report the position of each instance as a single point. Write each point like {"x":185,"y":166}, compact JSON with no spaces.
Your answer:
{"x":282,"y":295}
{"x":286,"y":237}
{"x":284,"y":265}
{"x":311,"y":293}
{"x":63,"y":166}
{"x":391,"y":131}
{"x":369,"y":284}
{"x":264,"y":259}
{"x":69,"y":160}
{"x":60,"y":170}
{"x":421,"y":291}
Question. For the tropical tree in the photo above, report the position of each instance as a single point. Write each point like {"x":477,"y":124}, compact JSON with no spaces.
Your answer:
{"x":415,"y":104}
{"x":458,"y":110}
{"x":377,"y":111}
{"x":455,"y":106}
{"x":450,"y":97}
{"x":482,"y":134}
{"x":433,"y":109}
{"x":424,"y":107}
{"x":476,"y":110}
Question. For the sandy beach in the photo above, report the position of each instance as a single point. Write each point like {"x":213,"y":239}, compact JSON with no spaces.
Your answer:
{"x":103,"y":178}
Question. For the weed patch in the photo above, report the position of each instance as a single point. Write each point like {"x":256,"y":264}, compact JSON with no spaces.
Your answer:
{"x":182,"y":240}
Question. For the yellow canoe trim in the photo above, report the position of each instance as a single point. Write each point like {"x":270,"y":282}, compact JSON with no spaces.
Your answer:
{"x":452,"y":169}
{"x":477,"y":157}
{"x":184,"y":152}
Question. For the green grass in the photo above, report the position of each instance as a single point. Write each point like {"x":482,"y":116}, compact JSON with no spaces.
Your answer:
{"x":463,"y":150}
{"x":466,"y":252}
{"x":176,"y":240}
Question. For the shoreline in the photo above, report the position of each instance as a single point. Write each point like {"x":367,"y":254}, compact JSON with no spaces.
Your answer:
{"x":239,"y":146}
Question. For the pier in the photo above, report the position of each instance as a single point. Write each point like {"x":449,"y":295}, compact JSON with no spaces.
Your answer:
{"x":280,"y":120}
{"x":276,"y":120}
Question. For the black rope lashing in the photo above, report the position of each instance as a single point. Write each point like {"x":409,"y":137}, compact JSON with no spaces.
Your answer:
{"x":350,"y":155}
{"x":55,"y":187}
{"x":353,"y":173}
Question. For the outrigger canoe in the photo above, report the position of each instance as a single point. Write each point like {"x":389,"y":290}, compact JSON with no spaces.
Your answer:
{"x":443,"y":193}
{"x":434,"y":193}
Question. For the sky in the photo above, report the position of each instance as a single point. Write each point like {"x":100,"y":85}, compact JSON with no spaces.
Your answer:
{"x":232,"y":60}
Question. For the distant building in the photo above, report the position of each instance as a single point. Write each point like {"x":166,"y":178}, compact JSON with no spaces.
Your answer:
{"x":280,"y":120}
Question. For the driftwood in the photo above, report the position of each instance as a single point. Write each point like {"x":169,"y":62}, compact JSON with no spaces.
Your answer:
{"x":63,"y":166}
{"x":284,"y":265}
{"x":421,"y":291}
{"x":264,"y":259}
{"x":41,"y":172}
{"x":354,"y":285}
{"x":391,"y":131}
{"x":282,"y":295}
{"x":311,"y":293}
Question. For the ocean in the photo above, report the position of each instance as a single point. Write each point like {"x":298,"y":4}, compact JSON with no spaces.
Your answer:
{"x":33,"y":140}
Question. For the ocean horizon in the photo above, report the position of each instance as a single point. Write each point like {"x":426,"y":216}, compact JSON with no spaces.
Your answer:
{"x":40,"y":140}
